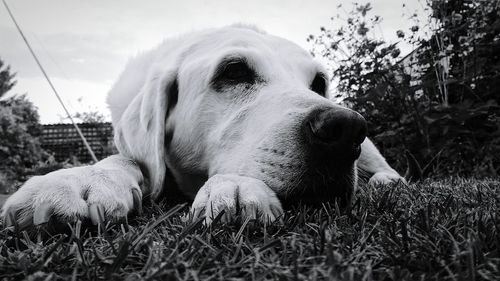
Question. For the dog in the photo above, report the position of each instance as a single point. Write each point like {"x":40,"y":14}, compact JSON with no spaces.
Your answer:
{"x":233,"y":118}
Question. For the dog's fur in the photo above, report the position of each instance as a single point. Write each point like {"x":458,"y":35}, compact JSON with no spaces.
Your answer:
{"x":232,"y":146}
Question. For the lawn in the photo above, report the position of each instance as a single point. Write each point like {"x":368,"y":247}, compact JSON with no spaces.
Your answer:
{"x":434,"y":230}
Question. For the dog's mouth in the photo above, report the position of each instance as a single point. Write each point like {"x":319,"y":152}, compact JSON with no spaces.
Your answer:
{"x":307,"y":179}
{"x":320,"y":185}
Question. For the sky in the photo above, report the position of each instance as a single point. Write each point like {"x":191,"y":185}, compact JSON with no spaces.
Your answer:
{"x":84,"y":45}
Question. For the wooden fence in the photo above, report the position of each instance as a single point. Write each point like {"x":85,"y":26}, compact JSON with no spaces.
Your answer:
{"x":63,"y":141}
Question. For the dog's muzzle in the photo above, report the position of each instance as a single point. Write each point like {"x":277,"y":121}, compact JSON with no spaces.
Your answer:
{"x":332,"y":140}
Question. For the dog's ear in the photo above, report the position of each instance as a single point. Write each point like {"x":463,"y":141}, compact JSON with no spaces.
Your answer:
{"x":140,"y":132}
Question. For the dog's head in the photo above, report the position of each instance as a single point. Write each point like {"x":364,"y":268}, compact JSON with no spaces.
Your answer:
{"x":237,"y":101}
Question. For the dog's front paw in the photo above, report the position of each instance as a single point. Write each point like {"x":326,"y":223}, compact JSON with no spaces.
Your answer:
{"x":385,"y":178}
{"x":240,"y":198}
{"x":72,"y":194}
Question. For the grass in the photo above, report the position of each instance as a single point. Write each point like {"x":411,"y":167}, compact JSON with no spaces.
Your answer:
{"x":434,"y":230}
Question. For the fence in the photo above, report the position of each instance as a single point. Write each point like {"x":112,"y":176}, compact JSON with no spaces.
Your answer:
{"x":63,"y":141}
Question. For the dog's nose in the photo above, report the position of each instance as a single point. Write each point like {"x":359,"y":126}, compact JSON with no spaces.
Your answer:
{"x":339,"y":130}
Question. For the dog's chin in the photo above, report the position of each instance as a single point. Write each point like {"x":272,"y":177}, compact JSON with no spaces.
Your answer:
{"x":320,"y":189}
{"x":304,"y":176}
{"x":320,"y":186}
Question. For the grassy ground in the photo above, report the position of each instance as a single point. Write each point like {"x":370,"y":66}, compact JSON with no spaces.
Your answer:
{"x":436,"y":230}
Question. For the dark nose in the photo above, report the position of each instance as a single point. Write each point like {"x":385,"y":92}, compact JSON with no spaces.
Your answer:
{"x":337,"y":130}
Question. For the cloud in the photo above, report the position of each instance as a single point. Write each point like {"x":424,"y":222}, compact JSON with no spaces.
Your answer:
{"x":92,"y":57}
{"x":78,"y":95}
{"x":85,"y":44}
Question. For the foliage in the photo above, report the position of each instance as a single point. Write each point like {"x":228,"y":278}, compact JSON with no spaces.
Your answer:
{"x":88,"y":115}
{"x":441,"y":101}
{"x":20,"y":129}
{"x":6,"y":79}
{"x":20,"y":150}
{"x":91,"y":116}
{"x":445,"y":230}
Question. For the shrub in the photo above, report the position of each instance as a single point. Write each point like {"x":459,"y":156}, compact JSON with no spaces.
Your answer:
{"x":441,"y":101}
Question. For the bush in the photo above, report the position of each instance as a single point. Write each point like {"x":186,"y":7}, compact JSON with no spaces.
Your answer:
{"x":441,"y":101}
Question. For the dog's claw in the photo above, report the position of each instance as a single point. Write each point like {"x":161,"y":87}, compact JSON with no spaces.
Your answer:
{"x":137,"y":201}
{"x":277,"y":213}
{"x":10,"y":219}
{"x":97,"y":214}
{"x":197,"y":212}
{"x":41,"y":214}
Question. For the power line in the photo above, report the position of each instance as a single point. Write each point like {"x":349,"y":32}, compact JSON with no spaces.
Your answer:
{"x":50,"y":83}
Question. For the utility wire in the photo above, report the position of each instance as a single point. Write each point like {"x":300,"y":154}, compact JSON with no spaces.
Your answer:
{"x":50,"y":83}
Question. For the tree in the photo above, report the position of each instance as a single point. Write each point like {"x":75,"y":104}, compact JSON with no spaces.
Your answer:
{"x":90,"y":115}
{"x":6,"y":79}
{"x":20,"y":130}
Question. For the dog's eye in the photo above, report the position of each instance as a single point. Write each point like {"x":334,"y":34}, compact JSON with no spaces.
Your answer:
{"x":318,"y":85}
{"x":237,"y":72}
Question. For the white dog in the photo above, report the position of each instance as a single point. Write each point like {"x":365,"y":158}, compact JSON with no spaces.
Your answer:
{"x":234,"y":118}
